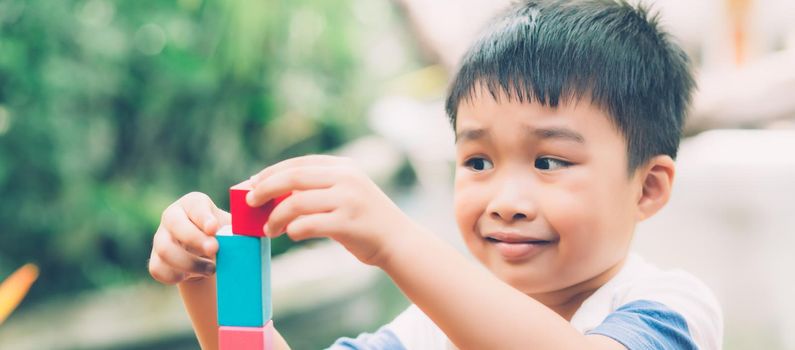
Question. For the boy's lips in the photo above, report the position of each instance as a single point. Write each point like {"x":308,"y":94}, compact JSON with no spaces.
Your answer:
{"x":516,"y":246}
{"x":515,"y":238}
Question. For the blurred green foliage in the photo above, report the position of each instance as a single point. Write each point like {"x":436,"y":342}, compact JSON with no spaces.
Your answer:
{"x":111,"y":110}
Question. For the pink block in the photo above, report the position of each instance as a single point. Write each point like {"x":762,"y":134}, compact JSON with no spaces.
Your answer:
{"x":246,"y":338}
{"x":246,"y":220}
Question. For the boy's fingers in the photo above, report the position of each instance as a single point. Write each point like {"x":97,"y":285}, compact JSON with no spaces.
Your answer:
{"x":185,"y":231}
{"x":313,"y":226}
{"x":225,"y":218}
{"x":309,"y":160}
{"x":161,"y":272}
{"x":294,"y":179}
{"x":202,"y":212}
{"x":298,"y":204}
{"x":179,"y":259}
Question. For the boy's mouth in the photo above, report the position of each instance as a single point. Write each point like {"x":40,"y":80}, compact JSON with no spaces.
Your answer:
{"x":515,"y":247}
{"x":503,"y":237}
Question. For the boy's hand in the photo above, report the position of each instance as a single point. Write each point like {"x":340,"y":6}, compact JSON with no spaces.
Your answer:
{"x":183,"y":247}
{"x":332,"y":198}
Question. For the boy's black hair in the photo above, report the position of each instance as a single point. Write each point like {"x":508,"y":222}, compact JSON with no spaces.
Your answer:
{"x":609,"y":51}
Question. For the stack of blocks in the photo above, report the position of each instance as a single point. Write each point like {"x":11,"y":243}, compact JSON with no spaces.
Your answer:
{"x":243,"y":276}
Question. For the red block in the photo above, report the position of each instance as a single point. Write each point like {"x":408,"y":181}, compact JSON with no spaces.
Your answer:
{"x":246,"y":220}
{"x":246,"y":338}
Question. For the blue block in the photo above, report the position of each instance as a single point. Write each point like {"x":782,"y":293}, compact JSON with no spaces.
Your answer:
{"x":243,"y":280}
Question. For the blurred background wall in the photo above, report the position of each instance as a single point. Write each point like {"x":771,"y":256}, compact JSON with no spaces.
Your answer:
{"x":111,"y":110}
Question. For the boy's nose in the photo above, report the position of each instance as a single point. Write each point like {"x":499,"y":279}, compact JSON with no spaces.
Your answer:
{"x":502,"y":217}
{"x":511,"y":204}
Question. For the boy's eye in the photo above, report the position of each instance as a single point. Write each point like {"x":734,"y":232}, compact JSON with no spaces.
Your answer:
{"x":478,"y":164}
{"x":546,"y":163}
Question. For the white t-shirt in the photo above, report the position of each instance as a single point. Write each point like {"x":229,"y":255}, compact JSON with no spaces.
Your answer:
{"x":642,"y":307}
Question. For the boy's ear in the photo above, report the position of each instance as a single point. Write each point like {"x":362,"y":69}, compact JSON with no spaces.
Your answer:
{"x":656,"y":179}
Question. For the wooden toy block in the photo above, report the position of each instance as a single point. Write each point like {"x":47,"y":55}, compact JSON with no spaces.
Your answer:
{"x":246,"y":338}
{"x":246,"y":220}
{"x":243,"y":280}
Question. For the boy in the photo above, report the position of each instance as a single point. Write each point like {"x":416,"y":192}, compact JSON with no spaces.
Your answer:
{"x":567,"y":118}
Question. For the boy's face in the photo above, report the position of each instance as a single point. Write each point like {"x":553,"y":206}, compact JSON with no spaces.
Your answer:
{"x":542,"y":195}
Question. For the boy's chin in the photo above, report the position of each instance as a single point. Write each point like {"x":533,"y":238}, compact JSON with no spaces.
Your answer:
{"x":524,"y":279}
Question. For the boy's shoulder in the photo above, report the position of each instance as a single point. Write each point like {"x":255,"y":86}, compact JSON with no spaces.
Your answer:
{"x":671,"y":299}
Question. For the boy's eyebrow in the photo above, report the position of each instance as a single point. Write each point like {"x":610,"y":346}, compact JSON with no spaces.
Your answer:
{"x":556,"y":133}
{"x":471,"y":134}
{"x":540,"y":133}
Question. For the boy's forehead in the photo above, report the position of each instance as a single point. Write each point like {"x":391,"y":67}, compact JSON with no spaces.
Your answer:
{"x":578,"y":121}
{"x":485,"y":108}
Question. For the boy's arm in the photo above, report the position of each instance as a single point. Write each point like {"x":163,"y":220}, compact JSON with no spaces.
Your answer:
{"x":200,"y":302}
{"x":473,"y":307}
{"x":199,"y":299}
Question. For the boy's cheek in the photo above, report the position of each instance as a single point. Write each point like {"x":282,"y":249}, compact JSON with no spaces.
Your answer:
{"x":467,"y":208}
{"x":565,"y":211}
{"x":464,"y":219}
{"x":586,"y":234}
{"x":580,"y":230}
{"x":470,"y":195}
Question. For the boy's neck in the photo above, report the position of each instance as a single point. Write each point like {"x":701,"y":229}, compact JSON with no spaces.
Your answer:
{"x":567,"y":301}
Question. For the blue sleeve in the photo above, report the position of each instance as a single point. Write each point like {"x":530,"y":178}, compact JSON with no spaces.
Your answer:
{"x":646,"y":324}
{"x":383,"y":339}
